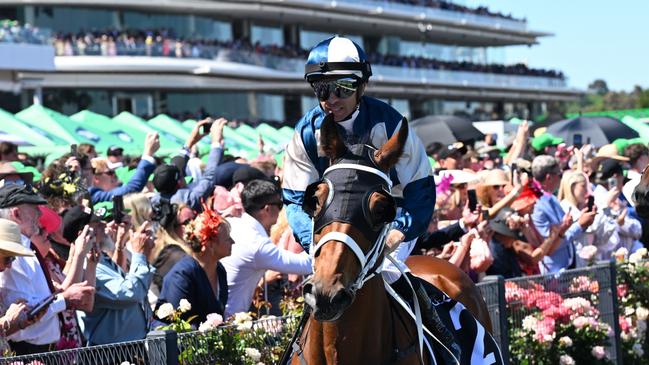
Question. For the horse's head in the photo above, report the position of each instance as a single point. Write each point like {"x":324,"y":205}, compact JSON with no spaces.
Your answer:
{"x":351,"y":208}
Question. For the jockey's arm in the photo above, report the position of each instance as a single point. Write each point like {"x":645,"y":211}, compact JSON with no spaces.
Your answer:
{"x":299,"y":172}
{"x":415,"y":176}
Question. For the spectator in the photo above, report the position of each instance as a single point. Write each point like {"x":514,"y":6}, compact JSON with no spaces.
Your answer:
{"x":14,"y":317}
{"x":169,"y":179}
{"x":548,"y":212}
{"x":87,"y":149}
{"x":121,"y":311}
{"x":491,"y":191}
{"x":451,"y":156}
{"x":200,"y":277}
{"x":9,"y":175}
{"x":29,"y":278}
{"x":8,"y":152}
{"x":254,"y":253}
{"x":105,"y":184}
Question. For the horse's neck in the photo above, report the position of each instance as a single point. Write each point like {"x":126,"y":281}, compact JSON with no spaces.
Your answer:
{"x":362,"y":335}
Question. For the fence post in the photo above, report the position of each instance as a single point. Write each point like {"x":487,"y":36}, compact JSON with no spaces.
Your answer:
{"x":500,"y":314}
{"x":166,"y":353}
{"x":616,"y":311}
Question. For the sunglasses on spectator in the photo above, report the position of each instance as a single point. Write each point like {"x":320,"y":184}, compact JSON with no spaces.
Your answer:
{"x":497,"y":187}
{"x":7,"y":260}
{"x":186,"y":221}
{"x":342,"y":88}
{"x":108,"y":173}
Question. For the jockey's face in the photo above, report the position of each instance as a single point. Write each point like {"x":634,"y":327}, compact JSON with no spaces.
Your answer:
{"x":341,"y":107}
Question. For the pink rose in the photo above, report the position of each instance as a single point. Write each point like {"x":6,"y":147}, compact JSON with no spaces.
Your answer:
{"x":580,"y":322}
{"x":598,"y":352}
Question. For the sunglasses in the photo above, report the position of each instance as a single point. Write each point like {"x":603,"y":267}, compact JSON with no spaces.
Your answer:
{"x":8,"y":260}
{"x":342,"y":88}
{"x":108,"y":173}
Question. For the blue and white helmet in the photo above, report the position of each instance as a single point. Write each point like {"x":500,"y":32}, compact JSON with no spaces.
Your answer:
{"x":337,"y":56}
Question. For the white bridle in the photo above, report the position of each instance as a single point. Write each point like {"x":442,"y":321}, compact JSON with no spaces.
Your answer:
{"x":367,"y":261}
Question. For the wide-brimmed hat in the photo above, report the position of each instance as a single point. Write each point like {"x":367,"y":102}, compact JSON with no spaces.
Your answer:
{"x":459,"y":177}
{"x":8,"y":169}
{"x":494,"y":177}
{"x":608,"y":151}
{"x":10,"y":242}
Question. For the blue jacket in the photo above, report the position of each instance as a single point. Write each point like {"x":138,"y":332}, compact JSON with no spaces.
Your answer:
{"x":188,"y":280}
{"x":375,"y":122}
{"x":135,"y":185}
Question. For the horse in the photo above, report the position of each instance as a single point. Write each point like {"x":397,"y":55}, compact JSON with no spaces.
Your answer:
{"x":352,"y":319}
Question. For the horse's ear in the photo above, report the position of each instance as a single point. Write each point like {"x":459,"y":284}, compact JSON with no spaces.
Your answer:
{"x":388,"y":155}
{"x":330,"y":140}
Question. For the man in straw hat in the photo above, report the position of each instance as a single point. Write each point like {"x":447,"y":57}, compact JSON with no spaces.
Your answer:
{"x":28,"y":280}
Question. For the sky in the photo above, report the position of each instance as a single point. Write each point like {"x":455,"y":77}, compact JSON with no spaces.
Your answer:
{"x":592,"y":39}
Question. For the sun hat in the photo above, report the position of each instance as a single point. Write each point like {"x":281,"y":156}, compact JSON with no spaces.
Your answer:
{"x":459,"y":177}
{"x":608,"y":151}
{"x":10,"y":242}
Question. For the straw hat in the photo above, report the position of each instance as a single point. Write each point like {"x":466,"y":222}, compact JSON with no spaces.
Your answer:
{"x":10,"y":243}
{"x":608,"y":151}
{"x":8,"y":169}
{"x":494,"y":177}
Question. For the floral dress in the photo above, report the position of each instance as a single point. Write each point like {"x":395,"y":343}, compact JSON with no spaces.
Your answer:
{"x":70,"y":334}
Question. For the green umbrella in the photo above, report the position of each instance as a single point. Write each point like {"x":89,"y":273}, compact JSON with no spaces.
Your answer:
{"x":287,"y":131}
{"x":51,"y":153}
{"x":32,"y":134}
{"x":189,"y":124}
{"x":65,"y":128}
{"x":128,"y":137}
{"x":167,"y":140}
{"x":169,"y":125}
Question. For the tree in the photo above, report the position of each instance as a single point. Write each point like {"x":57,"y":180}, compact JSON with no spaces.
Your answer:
{"x":598,"y":87}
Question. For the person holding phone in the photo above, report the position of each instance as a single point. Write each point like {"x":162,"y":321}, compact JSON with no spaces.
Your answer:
{"x":105,"y":185}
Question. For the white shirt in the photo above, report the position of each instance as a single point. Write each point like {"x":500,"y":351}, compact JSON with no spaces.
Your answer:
{"x":252,"y":254}
{"x":26,"y":280}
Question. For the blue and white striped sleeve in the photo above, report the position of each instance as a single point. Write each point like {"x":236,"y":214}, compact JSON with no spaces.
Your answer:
{"x":416,"y":177}
{"x":299,"y":172}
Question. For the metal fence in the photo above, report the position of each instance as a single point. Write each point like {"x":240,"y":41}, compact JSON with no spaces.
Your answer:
{"x":597,"y":284}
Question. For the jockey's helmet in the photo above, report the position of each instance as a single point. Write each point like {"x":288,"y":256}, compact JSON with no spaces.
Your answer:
{"x":337,"y":56}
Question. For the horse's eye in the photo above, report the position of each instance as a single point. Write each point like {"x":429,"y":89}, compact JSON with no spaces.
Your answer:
{"x":382,"y":208}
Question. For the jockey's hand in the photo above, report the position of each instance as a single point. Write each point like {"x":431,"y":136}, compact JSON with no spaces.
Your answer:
{"x":394,"y":239}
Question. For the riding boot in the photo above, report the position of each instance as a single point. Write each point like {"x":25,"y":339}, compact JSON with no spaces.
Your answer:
{"x":429,"y":315}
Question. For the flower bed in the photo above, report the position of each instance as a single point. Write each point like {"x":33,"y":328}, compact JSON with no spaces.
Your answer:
{"x":556,"y":323}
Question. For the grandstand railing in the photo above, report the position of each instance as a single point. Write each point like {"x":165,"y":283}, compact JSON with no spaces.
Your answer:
{"x":170,"y":348}
{"x":425,"y":13}
{"x":387,"y":73}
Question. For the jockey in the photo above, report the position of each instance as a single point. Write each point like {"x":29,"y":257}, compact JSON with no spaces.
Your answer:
{"x":338,"y":72}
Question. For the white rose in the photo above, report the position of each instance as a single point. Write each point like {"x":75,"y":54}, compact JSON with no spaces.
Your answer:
{"x":165,"y":311}
{"x":566,"y":360}
{"x":642,"y":252}
{"x":184,"y":305}
{"x":642,"y":313}
{"x":598,"y":352}
{"x":635,"y":257}
{"x":621,"y":254}
{"x":628,"y":311}
{"x":253,"y":354}
{"x":242,"y":317}
{"x":530,"y":323}
{"x":565,"y":341}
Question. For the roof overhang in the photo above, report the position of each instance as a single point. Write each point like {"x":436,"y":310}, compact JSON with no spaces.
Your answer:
{"x":334,"y":16}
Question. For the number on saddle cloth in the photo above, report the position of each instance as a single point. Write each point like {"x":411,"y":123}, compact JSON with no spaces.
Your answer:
{"x":477,"y":346}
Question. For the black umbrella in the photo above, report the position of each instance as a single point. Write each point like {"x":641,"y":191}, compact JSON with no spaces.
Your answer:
{"x":445,"y":129}
{"x":594,"y":130}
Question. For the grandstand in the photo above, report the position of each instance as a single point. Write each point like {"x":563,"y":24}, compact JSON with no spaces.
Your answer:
{"x":244,"y":59}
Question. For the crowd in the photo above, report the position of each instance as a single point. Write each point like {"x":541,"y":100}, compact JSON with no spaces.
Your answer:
{"x":12,"y":32}
{"x":163,"y":43}
{"x":104,"y":255}
{"x":448,"y":5}
{"x":540,"y":208}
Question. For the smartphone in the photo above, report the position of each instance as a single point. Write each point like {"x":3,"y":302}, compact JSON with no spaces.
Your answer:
{"x":591,"y":203}
{"x":473,"y":199}
{"x":612,"y":183}
{"x":118,"y":208}
{"x":73,"y":150}
{"x":207,"y":127}
{"x":577,"y":140}
{"x":513,"y":172}
{"x":485,"y":214}
{"x":42,"y":305}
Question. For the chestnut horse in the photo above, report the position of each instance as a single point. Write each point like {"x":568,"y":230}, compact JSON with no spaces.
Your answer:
{"x":353,"y":320}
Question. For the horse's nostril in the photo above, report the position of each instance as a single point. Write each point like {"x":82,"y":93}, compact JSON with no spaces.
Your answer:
{"x":342,"y":299}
